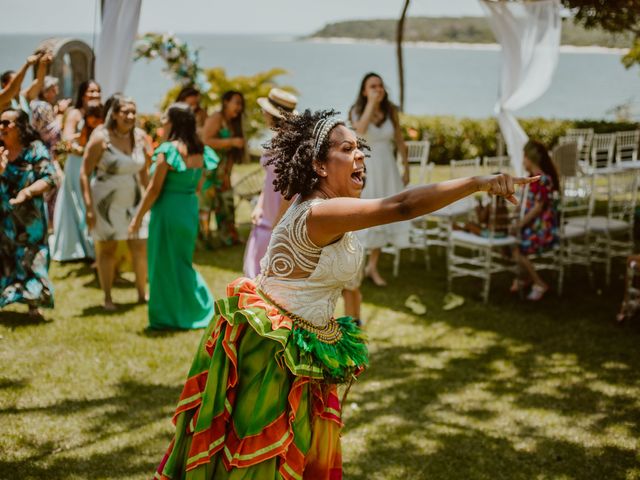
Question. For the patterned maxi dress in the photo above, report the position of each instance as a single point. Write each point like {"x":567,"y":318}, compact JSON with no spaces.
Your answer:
{"x":24,"y":253}
{"x":260,"y":401}
{"x":116,"y":191}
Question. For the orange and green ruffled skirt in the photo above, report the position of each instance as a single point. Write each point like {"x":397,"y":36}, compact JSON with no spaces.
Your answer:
{"x":261,"y":399}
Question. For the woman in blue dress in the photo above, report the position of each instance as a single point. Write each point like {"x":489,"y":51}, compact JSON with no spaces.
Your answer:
{"x":26,"y":173}
{"x":71,"y":240}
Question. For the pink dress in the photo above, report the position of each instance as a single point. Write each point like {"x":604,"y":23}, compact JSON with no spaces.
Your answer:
{"x":261,"y":233}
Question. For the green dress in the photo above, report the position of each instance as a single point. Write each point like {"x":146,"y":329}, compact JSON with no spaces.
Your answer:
{"x":178,"y":296}
{"x":217,"y":195}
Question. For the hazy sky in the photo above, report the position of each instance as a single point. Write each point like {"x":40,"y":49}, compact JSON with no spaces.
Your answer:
{"x":218,"y":16}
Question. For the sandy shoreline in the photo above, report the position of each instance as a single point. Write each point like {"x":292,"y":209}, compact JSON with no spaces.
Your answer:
{"x":462,"y":46}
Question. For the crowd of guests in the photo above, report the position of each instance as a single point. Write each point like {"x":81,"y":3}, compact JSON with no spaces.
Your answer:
{"x":79,"y":180}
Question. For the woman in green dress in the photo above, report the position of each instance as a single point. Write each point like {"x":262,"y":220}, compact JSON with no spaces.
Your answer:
{"x":178,"y":296}
{"x":223,"y":132}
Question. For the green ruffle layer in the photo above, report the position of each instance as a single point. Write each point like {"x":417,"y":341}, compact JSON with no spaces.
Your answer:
{"x":302,"y":353}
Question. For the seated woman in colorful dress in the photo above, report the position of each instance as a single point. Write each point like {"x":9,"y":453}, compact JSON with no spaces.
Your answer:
{"x":178,"y":296}
{"x":260,"y":401}
{"x":26,"y":173}
{"x":538,"y":226}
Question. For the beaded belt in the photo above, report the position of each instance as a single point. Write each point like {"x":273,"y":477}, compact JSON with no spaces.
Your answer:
{"x":330,"y":333}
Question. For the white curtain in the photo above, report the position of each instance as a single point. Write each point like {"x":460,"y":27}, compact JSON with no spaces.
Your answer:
{"x":529,"y":34}
{"x":114,"y":55}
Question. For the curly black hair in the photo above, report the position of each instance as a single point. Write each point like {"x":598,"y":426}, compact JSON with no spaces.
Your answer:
{"x":291,"y":152}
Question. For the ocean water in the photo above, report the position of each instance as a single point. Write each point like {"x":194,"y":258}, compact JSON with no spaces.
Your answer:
{"x":439,"y":80}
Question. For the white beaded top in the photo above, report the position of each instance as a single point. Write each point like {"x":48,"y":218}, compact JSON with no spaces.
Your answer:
{"x":305,"y":279}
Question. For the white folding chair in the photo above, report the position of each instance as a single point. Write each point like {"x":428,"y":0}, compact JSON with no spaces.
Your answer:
{"x":565,"y":157}
{"x":602,"y":149}
{"x":465,"y":168}
{"x":497,"y":164}
{"x":418,"y":153}
{"x":611,"y":235}
{"x":573,"y":227}
{"x":584,"y":138}
{"x":471,"y":255}
{"x":627,"y":145}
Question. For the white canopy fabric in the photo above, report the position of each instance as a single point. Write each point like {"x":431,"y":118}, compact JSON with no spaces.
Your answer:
{"x":114,"y":56}
{"x":529,"y":33}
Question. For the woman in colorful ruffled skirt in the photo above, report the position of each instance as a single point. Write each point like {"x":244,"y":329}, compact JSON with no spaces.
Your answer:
{"x":260,"y":401}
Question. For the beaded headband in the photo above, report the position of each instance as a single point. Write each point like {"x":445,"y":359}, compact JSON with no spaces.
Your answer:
{"x":321,"y":130}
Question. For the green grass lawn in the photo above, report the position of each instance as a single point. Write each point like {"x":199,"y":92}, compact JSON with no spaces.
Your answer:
{"x":505,"y":391}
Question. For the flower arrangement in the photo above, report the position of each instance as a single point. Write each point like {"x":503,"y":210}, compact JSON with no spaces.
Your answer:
{"x":181,"y":60}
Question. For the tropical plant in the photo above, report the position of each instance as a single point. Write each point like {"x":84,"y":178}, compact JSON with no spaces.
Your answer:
{"x":252,"y":87}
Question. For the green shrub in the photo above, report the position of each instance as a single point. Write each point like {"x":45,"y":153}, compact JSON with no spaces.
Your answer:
{"x":458,"y":138}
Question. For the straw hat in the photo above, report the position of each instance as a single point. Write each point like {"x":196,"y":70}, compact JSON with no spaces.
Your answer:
{"x":278,"y":103}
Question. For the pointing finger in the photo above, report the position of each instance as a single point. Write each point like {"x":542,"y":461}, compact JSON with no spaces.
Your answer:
{"x":525,"y":180}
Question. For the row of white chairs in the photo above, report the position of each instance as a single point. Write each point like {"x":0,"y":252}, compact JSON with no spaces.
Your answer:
{"x":605,"y":150}
{"x":585,"y":237}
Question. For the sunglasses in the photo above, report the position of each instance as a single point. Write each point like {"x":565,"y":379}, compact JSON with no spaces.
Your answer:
{"x":6,"y":123}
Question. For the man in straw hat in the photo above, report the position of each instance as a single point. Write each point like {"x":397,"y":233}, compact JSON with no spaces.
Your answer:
{"x":270,"y":204}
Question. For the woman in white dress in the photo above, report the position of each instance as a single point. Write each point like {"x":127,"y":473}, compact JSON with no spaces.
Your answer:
{"x":116,"y":154}
{"x":375,"y":118}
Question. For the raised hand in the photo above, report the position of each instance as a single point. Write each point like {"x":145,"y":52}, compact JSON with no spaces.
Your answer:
{"x":503,"y":185}
{"x":4,"y":159}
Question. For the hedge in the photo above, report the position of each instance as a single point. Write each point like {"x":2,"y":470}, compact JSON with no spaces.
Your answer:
{"x":458,"y":138}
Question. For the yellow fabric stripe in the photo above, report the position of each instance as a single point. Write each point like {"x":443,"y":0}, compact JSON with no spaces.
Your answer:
{"x":291,"y":472}
{"x":190,"y":399}
{"x":257,"y":453}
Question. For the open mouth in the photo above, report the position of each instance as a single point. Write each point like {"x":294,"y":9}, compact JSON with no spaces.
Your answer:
{"x":358,"y":177}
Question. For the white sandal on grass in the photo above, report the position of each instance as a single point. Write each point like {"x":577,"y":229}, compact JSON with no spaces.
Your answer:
{"x":537,"y":293}
{"x":414,"y":304}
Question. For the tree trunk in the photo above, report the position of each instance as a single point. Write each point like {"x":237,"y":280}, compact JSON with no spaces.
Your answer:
{"x":399,"y":37}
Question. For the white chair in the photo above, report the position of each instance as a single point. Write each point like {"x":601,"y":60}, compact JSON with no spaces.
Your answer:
{"x":464,"y":168}
{"x":417,"y":153}
{"x":565,"y":157}
{"x":470,"y":255}
{"x":611,"y":235}
{"x":627,"y":145}
{"x":249,"y":186}
{"x":497,"y":164}
{"x":602,"y":149}
{"x":583,"y":137}
{"x":439,"y":235}
{"x":573,"y":227}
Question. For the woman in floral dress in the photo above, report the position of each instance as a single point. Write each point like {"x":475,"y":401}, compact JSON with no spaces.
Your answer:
{"x":26,"y":173}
